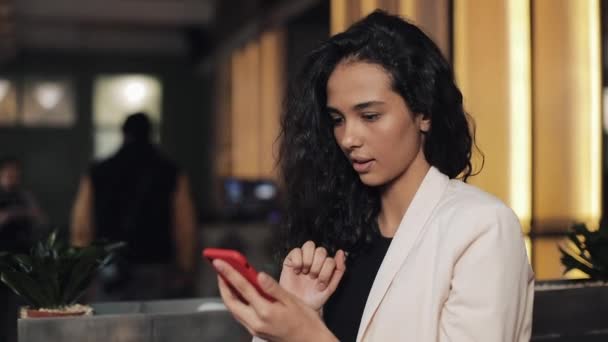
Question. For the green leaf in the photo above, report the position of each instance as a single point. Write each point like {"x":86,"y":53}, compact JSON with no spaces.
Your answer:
{"x":82,"y":273}
{"x":24,"y":262}
{"x":577,"y":242}
{"x":26,"y":287}
{"x":588,"y":251}
{"x":54,"y":273}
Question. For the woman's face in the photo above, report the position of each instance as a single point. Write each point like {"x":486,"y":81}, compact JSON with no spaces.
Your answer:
{"x":373,"y":125}
{"x":10,"y":176}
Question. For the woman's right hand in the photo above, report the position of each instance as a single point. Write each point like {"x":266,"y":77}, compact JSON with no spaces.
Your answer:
{"x":311,"y":275}
{"x":286,"y":319}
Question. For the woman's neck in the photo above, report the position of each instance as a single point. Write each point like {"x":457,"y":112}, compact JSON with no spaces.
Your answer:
{"x":397,"y":196}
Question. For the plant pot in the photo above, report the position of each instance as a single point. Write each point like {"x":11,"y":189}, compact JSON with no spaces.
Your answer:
{"x":70,"y":311}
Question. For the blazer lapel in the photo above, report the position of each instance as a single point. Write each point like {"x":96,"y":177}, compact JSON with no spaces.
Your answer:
{"x":426,"y":199}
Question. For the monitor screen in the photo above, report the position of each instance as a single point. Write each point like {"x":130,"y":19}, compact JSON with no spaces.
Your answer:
{"x":249,"y":199}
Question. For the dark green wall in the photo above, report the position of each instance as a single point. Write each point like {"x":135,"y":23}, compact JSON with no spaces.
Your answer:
{"x":54,"y":159}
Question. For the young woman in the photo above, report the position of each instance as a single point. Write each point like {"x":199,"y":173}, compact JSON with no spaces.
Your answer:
{"x":384,"y":242}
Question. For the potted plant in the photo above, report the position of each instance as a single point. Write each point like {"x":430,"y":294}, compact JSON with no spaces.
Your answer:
{"x":587,"y":251}
{"x":54,"y":275}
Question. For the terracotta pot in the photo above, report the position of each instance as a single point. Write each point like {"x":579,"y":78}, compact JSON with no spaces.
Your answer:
{"x":26,"y":312}
{"x":32,"y":313}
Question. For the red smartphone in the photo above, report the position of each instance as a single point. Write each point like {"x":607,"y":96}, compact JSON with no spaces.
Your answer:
{"x":239,"y":263}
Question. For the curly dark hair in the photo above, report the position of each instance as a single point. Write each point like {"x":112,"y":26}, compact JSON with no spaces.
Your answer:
{"x":326,"y":201}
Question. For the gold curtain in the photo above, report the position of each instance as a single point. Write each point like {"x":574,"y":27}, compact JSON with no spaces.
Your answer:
{"x":530,"y":72}
{"x":248,"y":105}
{"x":567,"y":120}
{"x":492,"y":55}
{"x":430,"y":15}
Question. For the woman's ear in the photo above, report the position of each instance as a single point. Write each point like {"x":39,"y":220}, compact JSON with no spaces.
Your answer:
{"x":424,"y":123}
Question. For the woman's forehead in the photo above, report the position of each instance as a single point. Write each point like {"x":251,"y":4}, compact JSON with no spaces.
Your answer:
{"x":356,"y":82}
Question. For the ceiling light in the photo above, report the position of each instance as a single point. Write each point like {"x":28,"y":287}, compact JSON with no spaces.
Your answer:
{"x":48,"y":94}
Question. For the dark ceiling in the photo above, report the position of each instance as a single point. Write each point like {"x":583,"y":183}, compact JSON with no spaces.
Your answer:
{"x":194,"y":28}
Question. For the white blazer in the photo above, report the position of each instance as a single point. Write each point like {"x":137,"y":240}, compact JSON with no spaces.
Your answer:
{"x":456,"y":271}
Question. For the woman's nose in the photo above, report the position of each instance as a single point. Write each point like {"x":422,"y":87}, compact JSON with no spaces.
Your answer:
{"x":351,"y":137}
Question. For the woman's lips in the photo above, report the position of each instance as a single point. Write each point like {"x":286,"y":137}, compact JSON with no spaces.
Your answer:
{"x":363,"y":166}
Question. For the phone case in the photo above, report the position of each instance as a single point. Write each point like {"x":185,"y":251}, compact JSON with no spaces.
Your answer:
{"x":239,"y":263}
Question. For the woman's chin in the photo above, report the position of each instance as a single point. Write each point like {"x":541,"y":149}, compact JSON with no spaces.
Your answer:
{"x":371,"y":179}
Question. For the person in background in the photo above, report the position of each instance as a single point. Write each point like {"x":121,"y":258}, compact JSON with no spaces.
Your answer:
{"x":142,"y":198}
{"x":20,"y":214}
{"x":21,"y":222}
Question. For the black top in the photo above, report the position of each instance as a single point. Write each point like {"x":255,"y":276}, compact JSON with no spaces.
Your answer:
{"x":133,"y":193}
{"x":343,"y":311}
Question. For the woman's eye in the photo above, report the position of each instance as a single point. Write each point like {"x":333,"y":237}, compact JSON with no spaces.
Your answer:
{"x":336,"y":120}
{"x":371,"y":116}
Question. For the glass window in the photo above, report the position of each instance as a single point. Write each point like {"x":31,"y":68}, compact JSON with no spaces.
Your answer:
{"x":117,"y":96}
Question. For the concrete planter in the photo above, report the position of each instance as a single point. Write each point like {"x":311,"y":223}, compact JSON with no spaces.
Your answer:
{"x":570,"y":310}
{"x":185,"y":320}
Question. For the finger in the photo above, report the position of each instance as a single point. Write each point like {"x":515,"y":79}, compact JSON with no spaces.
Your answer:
{"x":239,"y":310}
{"x":325,"y":274}
{"x":340,"y":259}
{"x":317,"y":261}
{"x":294,"y":260}
{"x":308,"y":251}
{"x":240,"y":284}
{"x":338,"y":272}
{"x":272,"y":288}
{"x":230,"y":297}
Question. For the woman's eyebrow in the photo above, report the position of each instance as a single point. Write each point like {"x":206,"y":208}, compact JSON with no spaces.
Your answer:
{"x":357,"y":107}
{"x":333,"y":110}
{"x":367,"y":104}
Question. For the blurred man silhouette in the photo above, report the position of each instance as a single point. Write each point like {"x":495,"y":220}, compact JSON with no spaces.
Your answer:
{"x":140,"y":197}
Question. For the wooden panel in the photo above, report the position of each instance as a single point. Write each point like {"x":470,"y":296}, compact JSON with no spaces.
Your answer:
{"x":567,"y":126}
{"x":245,"y":112}
{"x":482,"y":72}
{"x":492,"y":62}
{"x":272,"y":85}
{"x":432,"y":16}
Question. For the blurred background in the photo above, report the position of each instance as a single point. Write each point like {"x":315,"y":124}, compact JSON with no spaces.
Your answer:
{"x":212,"y":74}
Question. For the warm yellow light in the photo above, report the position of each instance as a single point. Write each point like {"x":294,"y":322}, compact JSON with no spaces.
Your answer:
{"x":518,"y":26}
{"x":407,"y":8}
{"x":338,"y":16}
{"x":576,"y":274}
{"x":595,"y":89}
{"x":368,"y":6}
{"x":587,"y":70}
{"x":246,"y":112}
{"x":460,"y":41}
{"x":528,"y":243}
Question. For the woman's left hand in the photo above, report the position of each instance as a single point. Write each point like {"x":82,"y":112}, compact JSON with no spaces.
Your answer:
{"x":311,"y":275}
{"x":285,"y":319}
